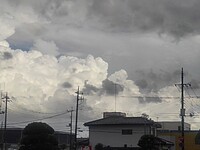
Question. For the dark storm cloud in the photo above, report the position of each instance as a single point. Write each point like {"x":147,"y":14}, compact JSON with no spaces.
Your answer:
{"x":90,"y":89}
{"x":178,"y":18}
{"x":108,"y":87}
{"x":150,"y":81}
{"x":111,"y":88}
{"x":7,"y":55}
{"x":195,"y":84}
{"x":66,"y":85}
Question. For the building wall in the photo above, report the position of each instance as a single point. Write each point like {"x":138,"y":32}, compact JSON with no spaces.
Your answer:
{"x":173,"y":126}
{"x":112,"y":135}
{"x":174,"y":136}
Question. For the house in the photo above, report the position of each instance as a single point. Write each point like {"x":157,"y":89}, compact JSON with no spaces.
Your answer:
{"x":117,"y":130}
{"x":171,"y":131}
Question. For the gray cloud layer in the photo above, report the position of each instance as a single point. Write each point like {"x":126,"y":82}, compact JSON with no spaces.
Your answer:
{"x":178,"y":18}
{"x":134,"y":35}
{"x":152,"y":81}
{"x":68,"y":27}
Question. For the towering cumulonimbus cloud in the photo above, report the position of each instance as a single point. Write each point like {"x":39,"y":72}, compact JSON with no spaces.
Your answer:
{"x":45,"y":83}
{"x":35,"y":77}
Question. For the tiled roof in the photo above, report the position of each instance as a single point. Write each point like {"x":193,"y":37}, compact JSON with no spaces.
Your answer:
{"x":119,"y":120}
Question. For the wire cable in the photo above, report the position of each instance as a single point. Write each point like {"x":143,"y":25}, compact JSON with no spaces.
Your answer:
{"x":28,"y":121}
{"x":33,"y":111}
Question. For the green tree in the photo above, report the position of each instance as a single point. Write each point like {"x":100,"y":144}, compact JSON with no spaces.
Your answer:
{"x":38,"y":136}
{"x":99,"y":146}
{"x":148,"y":142}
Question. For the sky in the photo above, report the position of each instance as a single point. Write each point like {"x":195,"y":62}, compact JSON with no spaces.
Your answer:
{"x":124,"y":55}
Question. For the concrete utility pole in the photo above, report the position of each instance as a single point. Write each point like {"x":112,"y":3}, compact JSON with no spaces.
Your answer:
{"x":70,"y":125}
{"x":182,"y":110}
{"x":5,"y":121}
{"x":1,"y":112}
{"x":77,"y":104}
{"x":182,"y":107}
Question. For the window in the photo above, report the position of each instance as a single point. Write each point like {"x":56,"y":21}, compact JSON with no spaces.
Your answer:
{"x":127,"y":131}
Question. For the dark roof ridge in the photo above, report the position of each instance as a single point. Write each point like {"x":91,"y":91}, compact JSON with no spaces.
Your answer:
{"x":120,"y":120}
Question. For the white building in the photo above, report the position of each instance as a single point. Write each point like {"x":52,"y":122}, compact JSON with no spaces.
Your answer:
{"x":117,"y":130}
{"x":174,"y":125}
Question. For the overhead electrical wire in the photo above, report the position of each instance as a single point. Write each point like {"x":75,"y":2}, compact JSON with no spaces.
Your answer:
{"x":192,"y":102}
{"x":44,"y":118}
{"x":33,"y":111}
{"x":162,"y":97}
{"x":123,"y":96}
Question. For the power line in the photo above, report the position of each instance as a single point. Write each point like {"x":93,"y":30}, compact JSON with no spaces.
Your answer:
{"x":194,"y":92}
{"x":28,"y":121}
{"x":33,"y":111}
{"x":162,"y":97}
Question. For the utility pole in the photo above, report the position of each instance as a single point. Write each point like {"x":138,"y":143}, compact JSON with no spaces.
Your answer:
{"x":76,"y":122}
{"x":5,"y":121}
{"x":70,"y":125}
{"x":1,"y":135}
{"x":182,"y":110}
{"x":2,"y":131}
